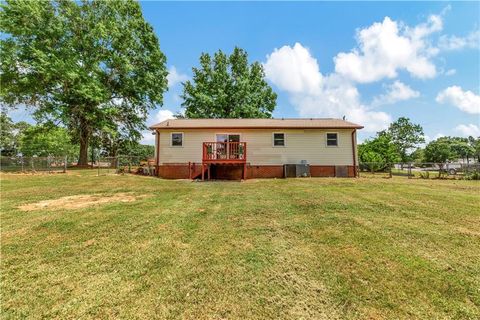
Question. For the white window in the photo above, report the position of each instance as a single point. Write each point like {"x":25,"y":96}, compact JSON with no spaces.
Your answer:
{"x":176,"y":139}
{"x":279,"y":139}
{"x":332,"y":139}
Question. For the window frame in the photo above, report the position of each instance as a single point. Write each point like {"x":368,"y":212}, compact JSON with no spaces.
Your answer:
{"x":326,"y":140}
{"x":228,"y":134}
{"x":284,"y":139}
{"x":171,"y":139}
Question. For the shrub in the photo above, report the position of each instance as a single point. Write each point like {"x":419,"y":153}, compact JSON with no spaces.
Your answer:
{"x":425,"y":175}
{"x":474,"y":175}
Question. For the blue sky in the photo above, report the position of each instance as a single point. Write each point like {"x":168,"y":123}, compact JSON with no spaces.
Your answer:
{"x":370,"y":61}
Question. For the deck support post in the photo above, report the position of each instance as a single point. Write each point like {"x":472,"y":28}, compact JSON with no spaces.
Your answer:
{"x":245,"y":171}
{"x":203,"y":171}
{"x":209,"y":166}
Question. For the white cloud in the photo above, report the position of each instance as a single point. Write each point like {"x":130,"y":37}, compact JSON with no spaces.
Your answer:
{"x":164,"y":114}
{"x":438,"y":136}
{"x":468,"y":130}
{"x":174,"y":77}
{"x":148,"y":138}
{"x":471,"y":41}
{"x":386,"y":47}
{"x":161,"y":115}
{"x":466,"y":101}
{"x":435,"y":137}
{"x":397,"y":91}
{"x":294,"y":70}
{"x":450,"y":72}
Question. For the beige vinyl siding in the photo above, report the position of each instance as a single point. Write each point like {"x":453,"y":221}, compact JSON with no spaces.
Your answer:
{"x":308,"y":144}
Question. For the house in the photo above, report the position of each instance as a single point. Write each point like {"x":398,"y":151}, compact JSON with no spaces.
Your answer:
{"x":255,"y":148}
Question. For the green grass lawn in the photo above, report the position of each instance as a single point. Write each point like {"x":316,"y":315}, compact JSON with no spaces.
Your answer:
{"x":262,"y":249}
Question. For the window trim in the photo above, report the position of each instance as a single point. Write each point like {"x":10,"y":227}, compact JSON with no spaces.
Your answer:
{"x":228,"y":134}
{"x":284,"y":139}
{"x":171,"y":139}
{"x":326,"y":139}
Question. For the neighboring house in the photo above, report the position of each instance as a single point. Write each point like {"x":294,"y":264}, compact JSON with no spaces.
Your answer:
{"x":255,"y":148}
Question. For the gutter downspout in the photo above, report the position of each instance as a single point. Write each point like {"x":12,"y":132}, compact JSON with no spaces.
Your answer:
{"x":157,"y":153}
{"x":355,"y":170}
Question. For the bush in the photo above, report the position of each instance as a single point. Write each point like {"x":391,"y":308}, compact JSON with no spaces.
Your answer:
{"x":474,"y":175}
{"x":372,"y":162}
{"x":425,"y":175}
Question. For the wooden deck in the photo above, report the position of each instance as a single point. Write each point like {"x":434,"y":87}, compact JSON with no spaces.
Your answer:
{"x":224,"y":153}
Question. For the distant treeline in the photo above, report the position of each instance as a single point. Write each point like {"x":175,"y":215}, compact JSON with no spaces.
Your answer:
{"x":44,"y":140}
{"x":404,"y":142}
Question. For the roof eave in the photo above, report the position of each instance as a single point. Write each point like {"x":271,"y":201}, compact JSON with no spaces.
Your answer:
{"x":155,"y":127}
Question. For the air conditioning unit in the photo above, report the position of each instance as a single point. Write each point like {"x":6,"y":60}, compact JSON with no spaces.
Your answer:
{"x":297,"y":170}
{"x":341,"y":171}
{"x":303,"y":169}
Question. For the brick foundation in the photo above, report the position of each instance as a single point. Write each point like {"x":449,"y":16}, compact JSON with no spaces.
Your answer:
{"x":329,"y":171}
{"x":266,"y":171}
{"x":322,"y":171}
{"x":234,"y":172}
{"x":174,"y":171}
{"x":351,"y":172}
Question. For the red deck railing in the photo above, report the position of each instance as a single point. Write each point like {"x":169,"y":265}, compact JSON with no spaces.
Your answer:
{"x":230,"y":152}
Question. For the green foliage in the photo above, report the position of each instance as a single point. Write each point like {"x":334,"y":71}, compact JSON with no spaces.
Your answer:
{"x":228,"y":87}
{"x":425,"y":174}
{"x":475,"y":144}
{"x":418,"y":156}
{"x":461,"y":147}
{"x":393,"y":145}
{"x":142,"y":151}
{"x":373,"y":161}
{"x":7,"y":135}
{"x":10,"y":134}
{"x":474,"y":175}
{"x":112,"y":144}
{"x":405,"y":136}
{"x":92,"y":65}
{"x":439,"y":151}
{"x":381,"y":150}
{"x":46,"y":141}
{"x":451,"y":149}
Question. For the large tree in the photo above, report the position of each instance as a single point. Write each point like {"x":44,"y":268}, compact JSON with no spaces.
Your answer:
{"x":439,"y":151}
{"x":405,"y":136}
{"x":91,"y":65}
{"x":228,"y":87}
{"x":461,"y":148}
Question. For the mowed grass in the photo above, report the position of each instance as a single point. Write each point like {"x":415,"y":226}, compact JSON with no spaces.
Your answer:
{"x":320,"y":248}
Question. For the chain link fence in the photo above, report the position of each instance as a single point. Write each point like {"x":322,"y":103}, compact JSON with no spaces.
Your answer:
{"x":424,"y":170}
{"x":33,"y":164}
{"x":101,"y":165}
{"x":125,"y":164}
{"x":142,"y":166}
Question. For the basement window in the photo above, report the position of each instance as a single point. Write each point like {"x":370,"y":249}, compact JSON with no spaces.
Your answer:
{"x":332,"y":139}
{"x":177,"y":139}
{"x":279,"y":139}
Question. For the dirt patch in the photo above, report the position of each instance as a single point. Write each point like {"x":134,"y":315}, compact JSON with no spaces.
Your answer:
{"x":80,"y":201}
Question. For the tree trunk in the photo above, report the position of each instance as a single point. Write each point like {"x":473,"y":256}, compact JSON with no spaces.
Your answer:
{"x":83,"y":159}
